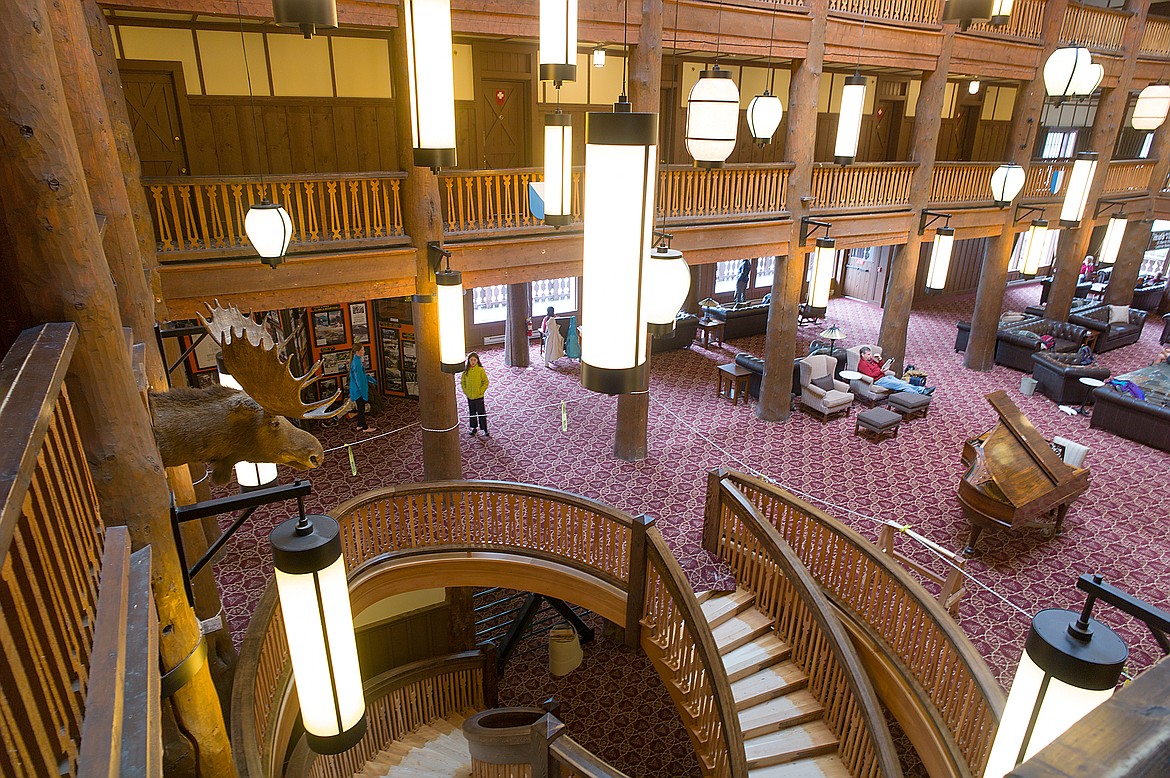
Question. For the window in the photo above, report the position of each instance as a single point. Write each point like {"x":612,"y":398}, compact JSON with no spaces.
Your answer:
{"x":1059,"y":144}
{"x":765,"y":271}
{"x":1149,"y":141}
{"x":560,"y":293}
{"x":725,"y":275}
{"x":489,"y":304}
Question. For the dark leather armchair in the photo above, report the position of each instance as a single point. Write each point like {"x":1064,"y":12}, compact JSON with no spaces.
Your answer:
{"x":1110,"y":336}
{"x":1165,"y":339}
{"x":684,"y":333}
{"x":1148,"y":297}
{"x":1058,"y":376}
{"x":1015,"y":345}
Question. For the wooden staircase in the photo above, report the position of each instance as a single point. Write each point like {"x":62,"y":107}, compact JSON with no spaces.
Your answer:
{"x":783,"y":728}
{"x":437,"y":749}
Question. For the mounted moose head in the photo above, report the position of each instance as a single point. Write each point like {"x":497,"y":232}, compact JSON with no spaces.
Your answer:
{"x":223,"y":426}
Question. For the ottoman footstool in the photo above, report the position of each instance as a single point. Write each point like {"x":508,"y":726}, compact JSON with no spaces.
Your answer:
{"x":877,"y":423}
{"x":910,"y":404}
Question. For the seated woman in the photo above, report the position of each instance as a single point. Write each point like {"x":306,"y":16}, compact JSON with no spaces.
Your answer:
{"x":870,"y":366}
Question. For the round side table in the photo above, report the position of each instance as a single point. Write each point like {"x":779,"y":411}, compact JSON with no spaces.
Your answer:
{"x":851,"y":375}
{"x":1091,"y":383}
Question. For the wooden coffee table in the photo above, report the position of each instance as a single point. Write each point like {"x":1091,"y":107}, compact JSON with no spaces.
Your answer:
{"x":706,"y":329}
{"x":737,"y":378}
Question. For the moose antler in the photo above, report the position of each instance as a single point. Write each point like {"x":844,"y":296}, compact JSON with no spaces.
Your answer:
{"x":252,"y":357}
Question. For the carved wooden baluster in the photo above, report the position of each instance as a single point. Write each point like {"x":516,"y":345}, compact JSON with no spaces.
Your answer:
{"x":162,"y":217}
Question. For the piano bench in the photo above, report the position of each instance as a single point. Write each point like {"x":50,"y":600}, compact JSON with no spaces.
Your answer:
{"x":910,"y":404}
{"x":877,"y":424}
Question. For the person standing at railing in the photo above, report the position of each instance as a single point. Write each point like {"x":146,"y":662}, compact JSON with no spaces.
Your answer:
{"x":741,"y":283}
{"x":475,"y":383}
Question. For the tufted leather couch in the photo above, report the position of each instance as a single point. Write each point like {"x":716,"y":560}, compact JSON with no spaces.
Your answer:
{"x":1110,"y":336}
{"x":1058,"y":376}
{"x":1148,"y":297}
{"x":756,"y":365}
{"x":1145,"y":421}
{"x":1015,"y":345}
{"x":684,"y":333}
{"x":964,"y":333}
{"x":751,"y":319}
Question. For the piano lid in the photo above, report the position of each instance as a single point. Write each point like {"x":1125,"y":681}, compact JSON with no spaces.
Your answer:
{"x":1020,"y":460}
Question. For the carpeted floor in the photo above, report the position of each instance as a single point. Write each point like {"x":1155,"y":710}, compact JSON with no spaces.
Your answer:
{"x":1117,"y":528}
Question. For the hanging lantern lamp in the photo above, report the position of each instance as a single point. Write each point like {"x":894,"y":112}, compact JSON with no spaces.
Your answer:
{"x":427,"y":27}
{"x":712,"y":117}
{"x":1037,"y":243}
{"x":558,"y":40}
{"x":558,"y":169}
{"x":308,"y":15}
{"x":1111,"y":243}
{"x":849,"y":121}
{"x":664,"y":288}
{"x":764,"y":113}
{"x":1070,"y":72}
{"x":1152,"y":105}
{"x":973,"y":87}
{"x":940,"y":259}
{"x":269,"y":229}
{"x":1076,"y":195}
{"x":318,"y":623}
{"x":1006,"y":182}
{"x":1001,"y":12}
{"x":599,"y":57}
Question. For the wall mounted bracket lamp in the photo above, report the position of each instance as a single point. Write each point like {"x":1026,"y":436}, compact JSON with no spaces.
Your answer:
{"x":928,"y":218}
{"x":808,"y":226}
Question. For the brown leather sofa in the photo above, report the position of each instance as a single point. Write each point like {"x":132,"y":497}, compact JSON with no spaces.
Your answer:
{"x":1110,"y":336}
{"x":1058,"y":376}
{"x":1015,"y":345}
{"x":1144,"y":421}
{"x":756,"y":365}
{"x":1165,"y":339}
{"x":750,"y":319}
{"x":964,"y":327}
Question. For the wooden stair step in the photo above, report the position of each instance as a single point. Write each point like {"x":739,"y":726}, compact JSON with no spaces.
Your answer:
{"x":755,"y":655}
{"x":720,"y":609}
{"x":780,"y":713}
{"x":817,"y":767}
{"x":740,"y":629}
{"x":772,"y":681}
{"x":788,"y":745}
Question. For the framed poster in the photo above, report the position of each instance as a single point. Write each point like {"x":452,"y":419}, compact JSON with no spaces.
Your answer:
{"x":359,"y":323}
{"x":335,"y":362}
{"x":203,"y":357}
{"x":329,"y":327}
{"x":326,"y":387}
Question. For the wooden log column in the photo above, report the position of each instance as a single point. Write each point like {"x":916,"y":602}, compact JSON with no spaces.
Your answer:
{"x":993,"y":274}
{"x":422,"y":218}
{"x":516,"y":351}
{"x":1074,"y":246}
{"x":1128,"y":267}
{"x":780,"y":346}
{"x":631,"y":439}
{"x":62,"y":273}
{"x":903,"y":277}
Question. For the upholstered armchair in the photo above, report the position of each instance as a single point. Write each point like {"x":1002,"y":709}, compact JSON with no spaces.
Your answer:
{"x":820,"y":393}
{"x":864,"y":388}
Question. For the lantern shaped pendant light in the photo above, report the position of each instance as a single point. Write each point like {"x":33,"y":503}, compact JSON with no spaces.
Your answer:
{"x":427,"y":27}
{"x":1070,"y":72}
{"x":664,"y":288}
{"x":1001,"y":11}
{"x":452,"y":344}
{"x":621,"y":164}
{"x":1152,"y":105}
{"x":558,"y":40}
{"x":1076,"y":196}
{"x":318,"y":622}
{"x":1037,"y":242}
{"x":764,"y":113}
{"x":849,"y":121}
{"x":824,"y":256}
{"x":1111,"y":243}
{"x":308,"y":15}
{"x":940,"y":259}
{"x":558,"y":168}
{"x":269,"y":229}
{"x":712,"y":117}
{"x":1006,"y":183}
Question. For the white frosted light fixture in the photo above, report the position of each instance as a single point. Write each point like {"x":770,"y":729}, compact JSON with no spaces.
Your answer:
{"x":318,"y":623}
{"x":1111,"y":243}
{"x":452,"y":343}
{"x":1037,"y":243}
{"x":427,"y":27}
{"x":308,"y":15}
{"x":599,"y":57}
{"x":1068,"y":668}
{"x":664,"y":288}
{"x":1076,"y":195}
{"x":940,"y":259}
{"x":824,"y":256}
{"x":558,"y":169}
{"x":1001,"y":11}
{"x":1152,"y":105}
{"x":621,"y":165}
{"x":1006,"y":182}
{"x":269,"y":230}
{"x":712,"y":117}
{"x":973,"y":87}
{"x":1070,"y":72}
{"x":764,"y":113}
{"x":849,"y":122}
{"x":249,"y":475}
{"x":558,"y":40}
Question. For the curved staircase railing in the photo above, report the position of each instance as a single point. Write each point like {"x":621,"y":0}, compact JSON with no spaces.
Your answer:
{"x":932,"y":661}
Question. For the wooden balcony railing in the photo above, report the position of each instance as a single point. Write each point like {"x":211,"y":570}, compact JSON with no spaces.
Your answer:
{"x":1038,"y":184}
{"x":482,"y":200}
{"x":202,"y":216}
{"x":917,"y":11}
{"x":1025,"y":22}
{"x":863,"y":185}
{"x":897,"y":611}
{"x":1156,"y":38}
{"x":1129,"y":176}
{"x":1094,"y":28}
{"x":961,"y":182}
{"x":688,"y":193}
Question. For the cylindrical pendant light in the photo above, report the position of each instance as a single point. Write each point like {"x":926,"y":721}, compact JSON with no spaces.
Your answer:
{"x":1111,"y":244}
{"x":963,"y":12}
{"x":1006,"y":183}
{"x":712,"y":117}
{"x":1001,"y":11}
{"x":1076,"y":195}
{"x":1070,"y":72}
{"x":824,"y":256}
{"x":427,"y":27}
{"x":308,"y":15}
{"x":664,"y":288}
{"x":599,"y":57}
{"x":1064,"y":673}
{"x":318,"y":623}
{"x":249,"y":475}
{"x":940,"y":259}
{"x":558,"y":169}
{"x":269,"y":229}
{"x":558,"y":40}
{"x":764,"y":113}
{"x":621,"y":164}
{"x":1037,"y":242}
{"x":452,"y":343}
{"x":849,"y":122}
{"x":1152,"y":105}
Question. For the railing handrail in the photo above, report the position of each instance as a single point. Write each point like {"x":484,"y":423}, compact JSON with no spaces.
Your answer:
{"x":899,"y":163}
{"x":778,"y":550}
{"x":581,"y":760}
{"x":270,"y":179}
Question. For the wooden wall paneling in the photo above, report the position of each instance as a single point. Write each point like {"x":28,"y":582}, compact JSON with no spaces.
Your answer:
{"x":368,"y":145}
{"x":229,"y":137}
{"x":324,"y":138}
{"x":387,"y":137}
{"x":253,"y":153}
{"x":300,"y":139}
{"x":399,"y":641}
{"x":276,"y":139}
{"x":202,"y":140}
{"x":345,"y":136}
{"x":467,"y":150}
{"x":826,"y":137}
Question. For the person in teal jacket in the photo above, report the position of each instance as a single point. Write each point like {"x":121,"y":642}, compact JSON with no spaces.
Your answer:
{"x":475,"y":384}
{"x":359,"y":387}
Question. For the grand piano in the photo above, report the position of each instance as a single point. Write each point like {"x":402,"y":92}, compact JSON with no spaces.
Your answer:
{"x":1014,"y":477}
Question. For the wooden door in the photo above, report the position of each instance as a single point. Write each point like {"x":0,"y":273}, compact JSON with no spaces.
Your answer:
{"x":156,"y":101}
{"x":861,"y":274}
{"x":505,"y":110}
{"x":887,"y":130}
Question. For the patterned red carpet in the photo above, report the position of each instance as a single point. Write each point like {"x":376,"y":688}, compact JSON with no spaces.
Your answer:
{"x":1117,"y":528}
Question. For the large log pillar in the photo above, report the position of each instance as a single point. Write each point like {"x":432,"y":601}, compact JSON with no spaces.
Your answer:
{"x":422,"y":219}
{"x":1074,"y":246}
{"x":516,"y":351}
{"x":631,"y":439}
{"x":993,"y":274}
{"x":1125,"y":273}
{"x":904,"y":270}
{"x":62,"y":274}
{"x":780,"y":346}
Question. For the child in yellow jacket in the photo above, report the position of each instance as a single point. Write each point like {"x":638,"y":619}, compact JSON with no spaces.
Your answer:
{"x":475,"y":384}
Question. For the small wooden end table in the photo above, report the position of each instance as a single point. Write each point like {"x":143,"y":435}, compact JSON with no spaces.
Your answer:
{"x":737,"y":378}
{"x":708,"y":328}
